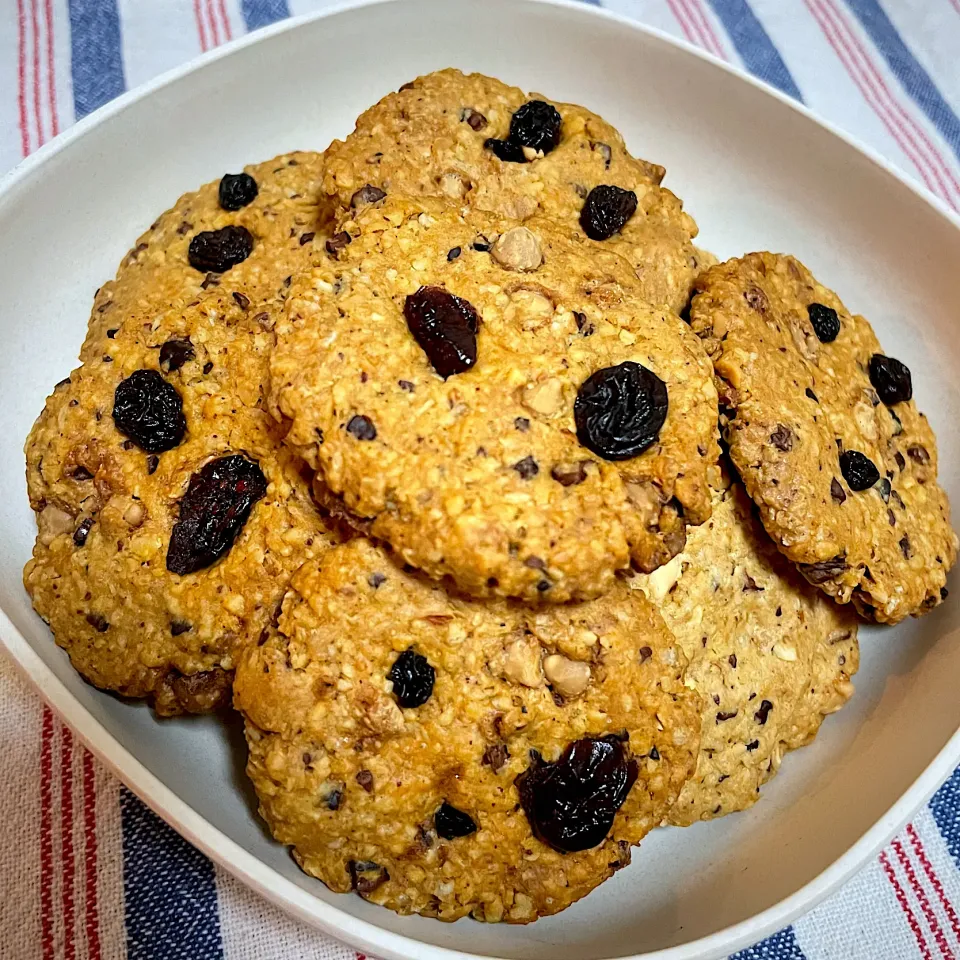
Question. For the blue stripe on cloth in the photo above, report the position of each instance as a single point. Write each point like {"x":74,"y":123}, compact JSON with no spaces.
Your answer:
{"x":945,"y":807}
{"x":261,"y":13}
{"x":96,"y":64}
{"x":907,"y":69}
{"x":170,"y":897}
{"x":781,"y":946}
{"x":754,"y":45}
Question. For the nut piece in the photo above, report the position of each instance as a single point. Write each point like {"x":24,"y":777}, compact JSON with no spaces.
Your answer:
{"x":568,"y":677}
{"x":518,"y":249}
{"x":452,"y":185}
{"x":134,"y":514}
{"x":544,"y":397}
{"x":522,"y":664}
{"x":52,"y":523}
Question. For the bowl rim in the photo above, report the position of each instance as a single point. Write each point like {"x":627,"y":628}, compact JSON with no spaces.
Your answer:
{"x":287,"y":895}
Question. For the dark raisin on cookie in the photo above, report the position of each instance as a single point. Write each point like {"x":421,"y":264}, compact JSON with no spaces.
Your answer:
{"x":859,"y":471}
{"x":606,"y":210}
{"x":149,"y":410}
{"x":237,"y":190}
{"x":571,"y":804}
{"x":213,"y":511}
{"x":445,"y":327}
{"x":412,"y":678}
{"x":536,"y":126}
{"x":826,"y":323}
{"x":619,"y":410}
{"x":216,"y":251}
{"x":175,"y":353}
{"x":891,"y":379}
{"x":452,"y":823}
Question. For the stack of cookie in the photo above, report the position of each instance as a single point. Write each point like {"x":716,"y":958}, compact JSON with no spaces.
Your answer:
{"x":410,"y":450}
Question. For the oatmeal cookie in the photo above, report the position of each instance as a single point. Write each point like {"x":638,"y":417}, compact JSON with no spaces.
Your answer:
{"x":482,"y":143}
{"x":826,"y":437}
{"x":443,"y":764}
{"x":497,"y":406}
{"x":770,"y":655}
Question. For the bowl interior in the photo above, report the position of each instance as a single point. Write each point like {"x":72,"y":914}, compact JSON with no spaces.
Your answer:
{"x":754,"y":173}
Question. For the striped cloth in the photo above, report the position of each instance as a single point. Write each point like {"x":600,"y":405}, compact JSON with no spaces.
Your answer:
{"x":86,"y":871}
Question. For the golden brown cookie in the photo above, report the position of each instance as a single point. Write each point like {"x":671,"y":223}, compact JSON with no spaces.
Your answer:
{"x":770,"y":655}
{"x":111,"y":491}
{"x":433,"y":138}
{"x":425,"y":750}
{"x":826,"y":437}
{"x":535,"y":467}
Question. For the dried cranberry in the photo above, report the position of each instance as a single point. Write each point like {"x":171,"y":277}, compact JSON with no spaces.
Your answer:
{"x":213,"y":511}
{"x":619,"y":410}
{"x":412,"y":678}
{"x":826,"y":323}
{"x":606,"y":210}
{"x":237,"y":190}
{"x":571,"y":804}
{"x":452,"y":823}
{"x":216,"y":251}
{"x":445,"y":327}
{"x":535,"y":125}
{"x":175,"y":353}
{"x":891,"y":379}
{"x":149,"y":411}
{"x":859,"y":471}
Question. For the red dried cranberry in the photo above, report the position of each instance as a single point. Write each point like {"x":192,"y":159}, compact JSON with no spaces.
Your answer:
{"x":891,"y":379}
{"x":619,"y":410}
{"x":237,"y":190}
{"x":445,"y":327}
{"x":149,"y":411}
{"x":571,"y":804}
{"x":606,"y":210}
{"x":213,"y":511}
{"x":216,"y":251}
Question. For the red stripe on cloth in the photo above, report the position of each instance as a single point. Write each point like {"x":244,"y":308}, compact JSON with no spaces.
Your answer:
{"x":696,"y":10}
{"x":92,"y":923}
{"x":956,"y":5}
{"x":868,"y":92}
{"x":46,"y":835}
{"x":22,"y":77}
{"x":201,"y":29}
{"x":66,"y":842}
{"x":921,"y":853}
{"x":51,"y":67}
{"x":228,"y":35}
{"x":681,"y":16}
{"x":36,"y":72}
{"x":212,"y":21}
{"x":905,"y":120}
{"x":905,"y":906}
{"x":923,"y":900}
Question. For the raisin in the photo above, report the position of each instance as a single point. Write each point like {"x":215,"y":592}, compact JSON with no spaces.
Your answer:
{"x":761,"y":715}
{"x":367,"y":194}
{"x":571,"y":804}
{"x":361,"y":427}
{"x":213,"y":511}
{"x":412,"y":678}
{"x":535,"y":125}
{"x":527,"y":468}
{"x":337,"y":242}
{"x":237,"y":190}
{"x":452,"y":823}
{"x":82,"y":532}
{"x":619,"y":410}
{"x":445,"y":327}
{"x":859,"y":471}
{"x":782,"y":438}
{"x":216,"y":251}
{"x":606,"y":210}
{"x":826,"y":323}
{"x":836,"y":491}
{"x":149,"y":411}
{"x":891,"y":379}
{"x":178,"y":627}
{"x":175,"y":353}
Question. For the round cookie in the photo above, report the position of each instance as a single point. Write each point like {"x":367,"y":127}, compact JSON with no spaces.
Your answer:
{"x":769,"y":654}
{"x":432,"y":138}
{"x":403,"y":766}
{"x":484,"y":475}
{"x":108,"y":507}
{"x":156,"y":274}
{"x":821,"y":428}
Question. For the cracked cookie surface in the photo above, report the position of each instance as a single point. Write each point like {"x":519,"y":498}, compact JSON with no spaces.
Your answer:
{"x":846,"y":483}
{"x":769,"y":654}
{"x":430,"y":139}
{"x":107,"y":507}
{"x":482,"y":475}
{"x":358,"y":751}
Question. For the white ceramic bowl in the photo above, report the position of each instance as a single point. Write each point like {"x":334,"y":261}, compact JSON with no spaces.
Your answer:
{"x":758,"y":173}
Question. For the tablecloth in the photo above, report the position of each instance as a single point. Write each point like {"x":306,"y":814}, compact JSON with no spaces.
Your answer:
{"x":86,"y":871}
